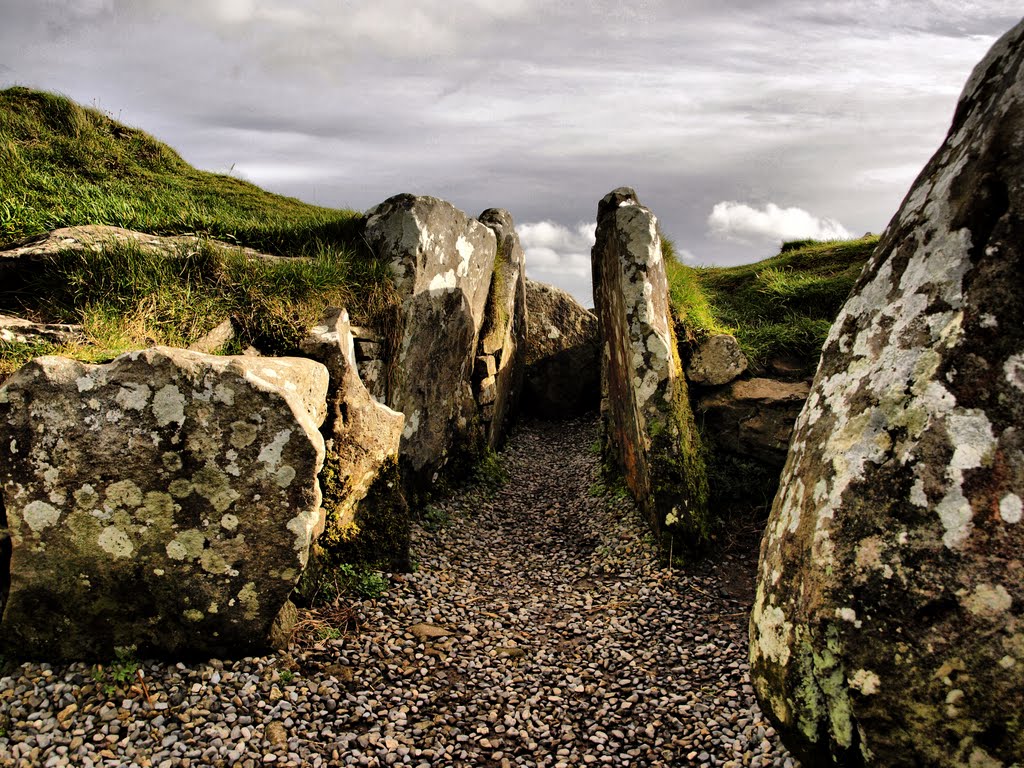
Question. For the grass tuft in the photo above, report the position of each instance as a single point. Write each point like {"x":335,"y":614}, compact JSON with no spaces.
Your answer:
{"x":126,"y":298}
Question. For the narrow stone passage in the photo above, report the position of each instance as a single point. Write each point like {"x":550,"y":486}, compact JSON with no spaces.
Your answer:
{"x":568,"y":644}
{"x":538,"y":630}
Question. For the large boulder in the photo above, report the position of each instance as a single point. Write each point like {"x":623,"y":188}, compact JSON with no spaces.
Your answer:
{"x":361,"y":434}
{"x":649,"y":427}
{"x":501,"y":352}
{"x":563,"y":354}
{"x":442,"y":262}
{"x":887,"y":628}
{"x":165,"y":500}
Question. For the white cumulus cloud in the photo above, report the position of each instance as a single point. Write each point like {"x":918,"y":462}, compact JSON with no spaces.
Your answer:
{"x":559,"y":255}
{"x":739,"y":222}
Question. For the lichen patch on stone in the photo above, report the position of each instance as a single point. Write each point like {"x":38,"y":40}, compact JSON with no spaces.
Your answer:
{"x":115,"y":542}
{"x":39,"y":515}
{"x":988,"y":600}
{"x":169,"y":406}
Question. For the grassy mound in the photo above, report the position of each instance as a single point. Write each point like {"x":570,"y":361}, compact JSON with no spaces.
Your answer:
{"x":62,"y":164}
{"x":781,"y":306}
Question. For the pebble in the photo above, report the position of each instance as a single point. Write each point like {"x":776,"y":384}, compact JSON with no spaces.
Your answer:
{"x":565,"y":642}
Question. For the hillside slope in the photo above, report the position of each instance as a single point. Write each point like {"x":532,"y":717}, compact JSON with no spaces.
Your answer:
{"x":781,"y":307}
{"x":64,"y":165}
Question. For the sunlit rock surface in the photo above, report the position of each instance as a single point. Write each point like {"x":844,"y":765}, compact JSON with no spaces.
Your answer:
{"x":649,"y":427}
{"x":887,"y":628}
{"x":442,"y":262}
{"x":501,"y":353}
{"x":165,"y":500}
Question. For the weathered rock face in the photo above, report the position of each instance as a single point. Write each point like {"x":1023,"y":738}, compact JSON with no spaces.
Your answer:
{"x":97,"y":236}
{"x":361,"y":434}
{"x":888,"y":624}
{"x":754,"y":417}
{"x":649,"y":427}
{"x":370,"y":360}
{"x":19,"y":330}
{"x":166,"y":500}
{"x":717,"y":361}
{"x":498,"y":380}
{"x":442,"y":263}
{"x":563,"y":354}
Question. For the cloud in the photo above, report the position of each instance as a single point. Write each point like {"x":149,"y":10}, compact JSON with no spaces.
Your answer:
{"x":739,"y":222}
{"x":548,"y":234}
{"x":559,"y":255}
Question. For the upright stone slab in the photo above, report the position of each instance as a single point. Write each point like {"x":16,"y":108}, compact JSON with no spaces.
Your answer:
{"x":887,"y":628}
{"x":501,"y":352}
{"x":442,"y":262}
{"x":165,"y":500}
{"x":563,"y":354}
{"x":361,"y":434}
{"x":649,"y":427}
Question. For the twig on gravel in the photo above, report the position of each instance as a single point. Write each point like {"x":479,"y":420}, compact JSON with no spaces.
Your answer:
{"x":607,"y":606}
{"x":143,"y":688}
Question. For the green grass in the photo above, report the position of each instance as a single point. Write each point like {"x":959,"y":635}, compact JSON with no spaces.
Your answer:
{"x":126,"y":298}
{"x":781,"y":306}
{"x":62,"y":164}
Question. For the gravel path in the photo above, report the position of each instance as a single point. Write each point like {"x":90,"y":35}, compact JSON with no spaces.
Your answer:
{"x":544,"y":634}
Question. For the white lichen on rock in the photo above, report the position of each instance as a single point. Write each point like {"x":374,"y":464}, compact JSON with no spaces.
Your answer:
{"x":893,"y":545}
{"x":150,"y":482}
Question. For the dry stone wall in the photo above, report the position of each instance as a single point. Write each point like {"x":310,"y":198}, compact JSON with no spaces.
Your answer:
{"x":887,"y":628}
{"x":361,"y":434}
{"x":166,"y":500}
{"x":498,"y":377}
{"x":649,"y":427}
{"x":563,"y":355}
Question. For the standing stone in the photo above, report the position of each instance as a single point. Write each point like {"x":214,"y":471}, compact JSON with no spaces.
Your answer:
{"x":502,"y":344}
{"x":360,"y":433}
{"x":442,"y":262}
{"x":165,"y":500}
{"x":649,"y":427}
{"x":887,"y":628}
{"x":563,"y":355}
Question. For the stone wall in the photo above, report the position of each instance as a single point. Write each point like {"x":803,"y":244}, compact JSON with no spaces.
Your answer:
{"x":498,"y":378}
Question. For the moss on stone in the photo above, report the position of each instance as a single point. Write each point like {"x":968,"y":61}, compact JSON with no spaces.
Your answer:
{"x":679,"y":478}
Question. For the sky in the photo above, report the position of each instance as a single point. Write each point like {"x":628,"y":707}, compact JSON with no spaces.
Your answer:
{"x":740,"y":123}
